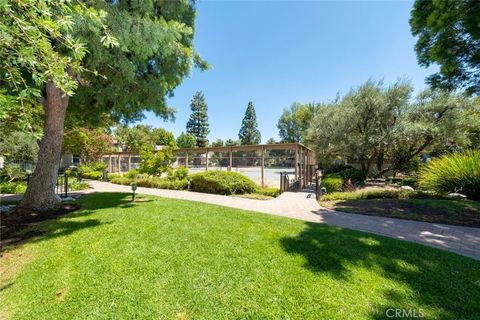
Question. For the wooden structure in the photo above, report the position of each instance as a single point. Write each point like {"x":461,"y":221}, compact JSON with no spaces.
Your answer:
{"x":284,"y":156}
{"x":264,"y":156}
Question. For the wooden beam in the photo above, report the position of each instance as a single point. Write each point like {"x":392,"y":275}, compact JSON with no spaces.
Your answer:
{"x":206,"y":159}
{"x":296,"y":162}
{"x":263,"y":166}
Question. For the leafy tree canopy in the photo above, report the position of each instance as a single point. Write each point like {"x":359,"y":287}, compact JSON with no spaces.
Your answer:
{"x":374,"y":124}
{"x":231,"y":143}
{"x":449,"y":35}
{"x":271,"y":141}
{"x":89,"y":144}
{"x":218,"y":143}
{"x":138,"y":136}
{"x":186,"y":140}
{"x":19,"y":145}
{"x":295,"y":121}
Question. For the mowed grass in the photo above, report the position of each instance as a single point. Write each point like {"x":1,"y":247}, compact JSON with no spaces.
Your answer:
{"x":171,"y":259}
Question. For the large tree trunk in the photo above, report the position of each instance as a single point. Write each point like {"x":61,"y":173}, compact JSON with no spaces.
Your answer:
{"x":40,"y":195}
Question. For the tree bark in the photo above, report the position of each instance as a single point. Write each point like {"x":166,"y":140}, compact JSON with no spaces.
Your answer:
{"x":40,"y":195}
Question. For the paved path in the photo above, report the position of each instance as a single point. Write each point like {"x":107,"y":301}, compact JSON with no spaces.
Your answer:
{"x":301,"y":205}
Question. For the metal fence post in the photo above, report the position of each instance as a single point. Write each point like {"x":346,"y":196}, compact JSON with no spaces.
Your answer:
{"x":65,"y":184}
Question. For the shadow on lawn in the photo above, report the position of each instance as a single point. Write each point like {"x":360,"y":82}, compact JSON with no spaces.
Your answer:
{"x":64,"y":225}
{"x":438,"y":279}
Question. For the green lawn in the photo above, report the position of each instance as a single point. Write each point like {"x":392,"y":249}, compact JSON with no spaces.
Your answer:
{"x":172,"y":259}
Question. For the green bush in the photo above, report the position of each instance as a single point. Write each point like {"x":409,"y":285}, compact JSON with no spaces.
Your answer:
{"x":121,"y":180}
{"x":457,"y":172}
{"x":162,"y":183}
{"x":356,"y":175}
{"x":113,"y":176}
{"x":97,"y":166}
{"x":335,"y":168}
{"x":83,"y":168}
{"x":132,"y":174}
{"x":222,"y":182}
{"x":269,"y":192}
{"x":12,"y":172}
{"x":93,"y":175}
{"x":75,"y":185}
{"x":179,"y":174}
{"x":13,"y":187}
{"x":332,"y":183}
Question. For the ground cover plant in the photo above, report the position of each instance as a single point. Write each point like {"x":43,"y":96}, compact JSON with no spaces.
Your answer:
{"x":185,"y":260}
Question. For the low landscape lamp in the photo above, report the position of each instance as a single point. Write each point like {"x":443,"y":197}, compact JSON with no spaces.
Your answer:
{"x":134,"y":188}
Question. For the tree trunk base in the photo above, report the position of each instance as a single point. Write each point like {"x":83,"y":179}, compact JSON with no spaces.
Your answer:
{"x":48,"y":204}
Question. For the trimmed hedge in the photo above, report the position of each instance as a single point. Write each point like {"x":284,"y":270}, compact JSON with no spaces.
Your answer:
{"x":457,"y":172}
{"x":222,"y":182}
{"x":152,"y":182}
{"x":269,"y":192}
{"x":93,"y":175}
{"x":332,"y":183}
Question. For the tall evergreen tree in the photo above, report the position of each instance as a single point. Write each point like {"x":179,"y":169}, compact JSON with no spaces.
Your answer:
{"x":249,"y":133}
{"x":197,"y":125}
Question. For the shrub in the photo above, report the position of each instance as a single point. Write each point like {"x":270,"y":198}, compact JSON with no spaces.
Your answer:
{"x":13,"y":187}
{"x":179,"y":174}
{"x":222,"y":182}
{"x":93,"y":175}
{"x":75,"y":185}
{"x":457,"y":172}
{"x":269,"y":192}
{"x":12,"y":172}
{"x":97,"y":166}
{"x":132,"y":174}
{"x":356,"y":175}
{"x":337,"y":167}
{"x":155,"y":163}
{"x":83,"y":168}
{"x":121,"y":180}
{"x":113,"y":176}
{"x":332,"y":183}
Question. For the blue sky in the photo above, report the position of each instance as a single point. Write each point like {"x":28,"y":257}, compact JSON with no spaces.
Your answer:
{"x":274,"y":53}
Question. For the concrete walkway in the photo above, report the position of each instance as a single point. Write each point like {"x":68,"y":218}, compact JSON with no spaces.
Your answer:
{"x":303,"y":206}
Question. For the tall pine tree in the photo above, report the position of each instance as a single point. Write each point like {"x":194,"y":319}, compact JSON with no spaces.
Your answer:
{"x":249,"y":133}
{"x":198,"y":125}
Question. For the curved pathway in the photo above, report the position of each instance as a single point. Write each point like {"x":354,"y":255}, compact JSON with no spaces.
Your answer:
{"x":302,"y":205}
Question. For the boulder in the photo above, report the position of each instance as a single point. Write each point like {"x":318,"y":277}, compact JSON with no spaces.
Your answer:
{"x":407,"y":188}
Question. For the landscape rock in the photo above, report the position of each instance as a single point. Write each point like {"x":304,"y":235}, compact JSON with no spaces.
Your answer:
{"x":407,"y":188}
{"x":457,"y":196}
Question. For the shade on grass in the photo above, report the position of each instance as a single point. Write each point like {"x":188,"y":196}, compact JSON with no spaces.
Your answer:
{"x":174,"y":259}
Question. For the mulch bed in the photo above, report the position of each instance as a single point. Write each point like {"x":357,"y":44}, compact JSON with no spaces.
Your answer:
{"x":404,"y":209}
{"x":13,"y":230}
